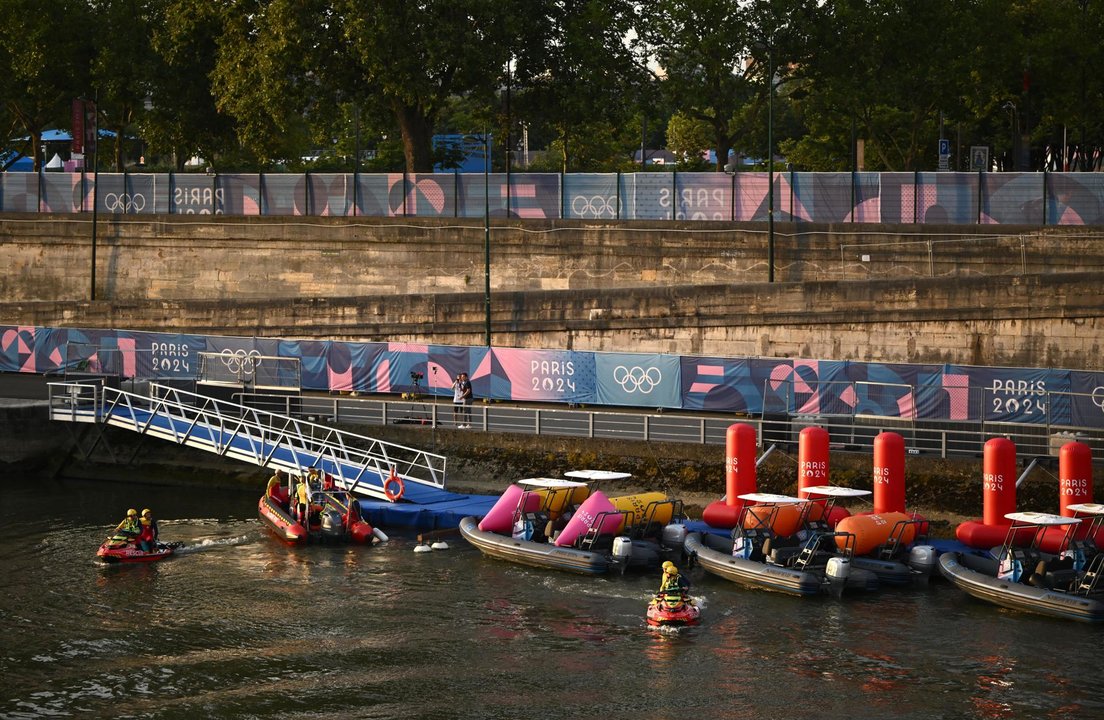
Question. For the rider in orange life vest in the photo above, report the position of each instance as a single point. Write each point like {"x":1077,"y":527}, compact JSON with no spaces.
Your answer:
{"x":146,"y":535}
{"x":672,"y":580}
{"x":147,"y":514}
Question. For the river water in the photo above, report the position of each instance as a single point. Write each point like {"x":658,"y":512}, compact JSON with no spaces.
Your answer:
{"x":239,"y":625}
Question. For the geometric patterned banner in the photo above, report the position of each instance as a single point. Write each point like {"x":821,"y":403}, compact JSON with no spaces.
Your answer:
{"x":943,"y":198}
{"x":732,"y":385}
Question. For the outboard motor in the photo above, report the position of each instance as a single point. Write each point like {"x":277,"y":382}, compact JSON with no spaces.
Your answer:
{"x":837,"y":571}
{"x":922,"y":559}
{"x":333,"y":527}
{"x":674,"y":535}
{"x":622,"y":552}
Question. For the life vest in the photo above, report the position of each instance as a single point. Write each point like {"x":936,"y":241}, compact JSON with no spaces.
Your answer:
{"x":670,"y":582}
{"x":128,"y":527}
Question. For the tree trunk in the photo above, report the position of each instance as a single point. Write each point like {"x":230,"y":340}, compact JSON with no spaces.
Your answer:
{"x":417,"y":136}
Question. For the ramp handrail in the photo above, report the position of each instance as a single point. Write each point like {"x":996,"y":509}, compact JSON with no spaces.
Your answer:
{"x":356,"y":462}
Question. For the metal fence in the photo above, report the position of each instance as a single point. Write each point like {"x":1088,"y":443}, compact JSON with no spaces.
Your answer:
{"x":850,"y":433}
{"x":942,"y":198}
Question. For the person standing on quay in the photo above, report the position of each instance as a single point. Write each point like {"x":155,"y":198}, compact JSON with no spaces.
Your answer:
{"x":458,"y":401}
{"x":466,"y":399}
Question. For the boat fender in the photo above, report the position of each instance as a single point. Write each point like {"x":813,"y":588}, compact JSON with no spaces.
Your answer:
{"x":379,"y":535}
{"x":922,"y":558}
{"x":393,"y":487}
{"x":622,"y":549}
{"x":440,"y":545}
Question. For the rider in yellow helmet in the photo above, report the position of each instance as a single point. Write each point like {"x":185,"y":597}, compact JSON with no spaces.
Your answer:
{"x":148,"y":519}
{"x":672,"y":580}
{"x":128,"y":529}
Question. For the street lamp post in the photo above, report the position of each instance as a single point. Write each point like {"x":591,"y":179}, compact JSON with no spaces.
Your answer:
{"x":770,"y":162}
{"x":1013,"y":116}
{"x":487,"y":235}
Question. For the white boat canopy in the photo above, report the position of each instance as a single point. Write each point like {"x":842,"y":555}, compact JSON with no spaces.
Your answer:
{"x":1038,"y":518}
{"x":597,"y":475}
{"x":1087,"y":508}
{"x":835,"y":491}
{"x":550,"y":483}
{"x":771,"y":498}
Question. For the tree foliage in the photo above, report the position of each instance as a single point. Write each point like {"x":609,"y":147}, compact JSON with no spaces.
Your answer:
{"x":264,"y":84}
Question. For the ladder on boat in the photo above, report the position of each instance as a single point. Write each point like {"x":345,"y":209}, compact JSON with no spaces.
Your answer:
{"x":357,"y":463}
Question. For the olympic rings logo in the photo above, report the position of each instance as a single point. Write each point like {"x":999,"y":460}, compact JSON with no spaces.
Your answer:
{"x":239,"y":361}
{"x":637,"y":379}
{"x":124,"y":202}
{"x":1098,"y":397}
{"x":596,"y":206}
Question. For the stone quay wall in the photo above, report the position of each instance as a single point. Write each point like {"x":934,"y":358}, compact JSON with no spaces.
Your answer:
{"x":985,"y":295}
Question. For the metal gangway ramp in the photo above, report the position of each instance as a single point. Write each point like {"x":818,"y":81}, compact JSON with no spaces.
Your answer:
{"x":357,"y":463}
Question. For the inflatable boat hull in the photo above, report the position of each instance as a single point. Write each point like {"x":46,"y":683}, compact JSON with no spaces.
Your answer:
{"x":976,"y":576}
{"x":131,"y":553}
{"x":534,"y":554}
{"x":750,"y":573}
{"x":659,"y":614}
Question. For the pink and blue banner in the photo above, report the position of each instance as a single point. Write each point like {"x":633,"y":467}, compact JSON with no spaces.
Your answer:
{"x":752,"y":386}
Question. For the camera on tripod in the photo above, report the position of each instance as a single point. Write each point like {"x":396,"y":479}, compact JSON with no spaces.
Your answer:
{"x":416,"y":376}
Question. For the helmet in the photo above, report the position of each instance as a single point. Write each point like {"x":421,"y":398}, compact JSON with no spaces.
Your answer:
{"x":669,"y":567}
{"x":131,"y":512}
{"x":146,"y":512}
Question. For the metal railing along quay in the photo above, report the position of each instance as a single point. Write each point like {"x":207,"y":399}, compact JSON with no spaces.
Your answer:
{"x":848,"y":433}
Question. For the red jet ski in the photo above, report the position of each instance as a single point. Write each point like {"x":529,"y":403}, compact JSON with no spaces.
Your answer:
{"x":673,"y":607}
{"x":113,"y":551}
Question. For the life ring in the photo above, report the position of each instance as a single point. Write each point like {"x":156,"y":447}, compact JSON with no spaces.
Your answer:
{"x":393,"y":480}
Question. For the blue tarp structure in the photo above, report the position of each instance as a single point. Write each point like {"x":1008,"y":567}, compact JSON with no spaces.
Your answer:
{"x":446,"y":512}
{"x":25,"y":163}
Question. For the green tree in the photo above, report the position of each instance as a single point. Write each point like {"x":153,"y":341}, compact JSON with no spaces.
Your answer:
{"x":120,"y":67}
{"x":894,"y":69}
{"x":413,"y":58}
{"x":698,"y":53}
{"x":582,"y":83}
{"x":269,"y":75}
{"x":45,"y":53}
{"x":184,"y":120}
{"x":686,"y":138}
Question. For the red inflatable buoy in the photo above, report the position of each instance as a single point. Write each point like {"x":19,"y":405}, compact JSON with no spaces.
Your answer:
{"x":998,"y":493}
{"x":1075,"y":483}
{"x":740,"y":441}
{"x":812,"y":458}
{"x":889,"y":473}
{"x":998,"y":481}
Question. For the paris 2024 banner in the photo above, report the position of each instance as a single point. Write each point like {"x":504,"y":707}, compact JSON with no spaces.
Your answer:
{"x":752,"y":386}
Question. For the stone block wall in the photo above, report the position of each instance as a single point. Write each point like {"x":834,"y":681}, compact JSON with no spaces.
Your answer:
{"x":889,"y":294}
